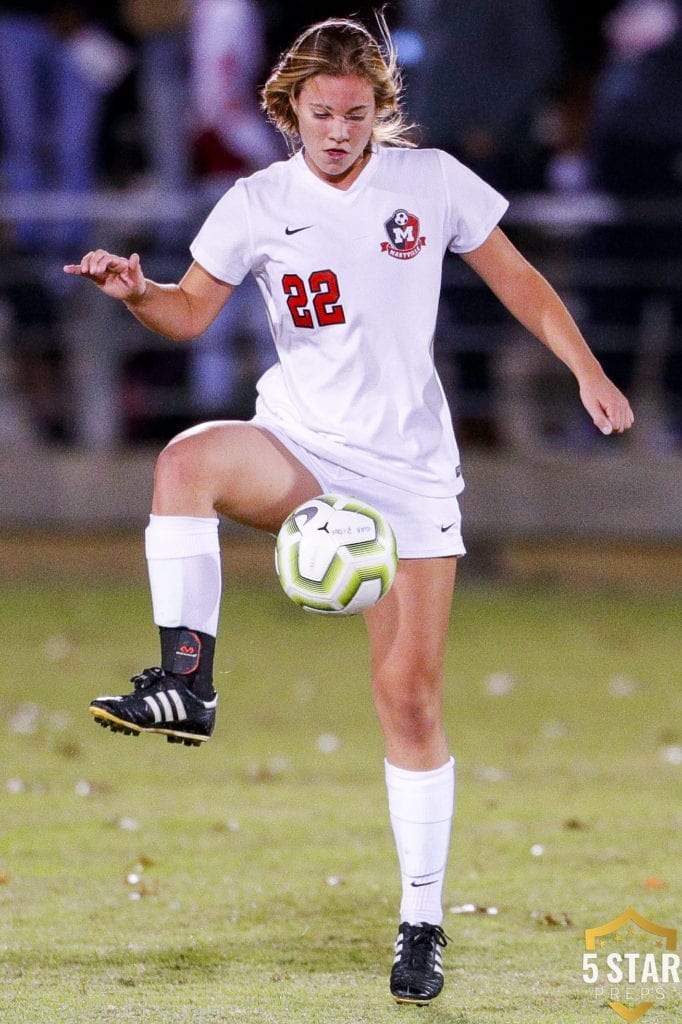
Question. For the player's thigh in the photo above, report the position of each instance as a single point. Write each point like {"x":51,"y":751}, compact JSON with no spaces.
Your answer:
{"x":408,"y":628}
{"x":235,"y":468}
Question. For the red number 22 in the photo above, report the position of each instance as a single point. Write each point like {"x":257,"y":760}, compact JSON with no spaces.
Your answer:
{"x":323,"y":286}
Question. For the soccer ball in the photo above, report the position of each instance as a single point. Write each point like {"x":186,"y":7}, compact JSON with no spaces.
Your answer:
{"x":335,"y":555}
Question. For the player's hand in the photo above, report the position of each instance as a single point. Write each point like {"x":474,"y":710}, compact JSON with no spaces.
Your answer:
{"x":608,"y":407}
{"x":118,"y":276}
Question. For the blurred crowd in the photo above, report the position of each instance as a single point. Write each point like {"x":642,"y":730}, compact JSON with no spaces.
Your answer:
{"x":161,"y":96}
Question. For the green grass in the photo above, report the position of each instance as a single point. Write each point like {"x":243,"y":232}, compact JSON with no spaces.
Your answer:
{"x":267,"y":886}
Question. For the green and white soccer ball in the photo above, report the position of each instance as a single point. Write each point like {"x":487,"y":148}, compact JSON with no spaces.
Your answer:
{"x":335,"y":555}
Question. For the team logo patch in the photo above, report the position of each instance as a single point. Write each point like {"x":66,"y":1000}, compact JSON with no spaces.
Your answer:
{"x":404,"y":240}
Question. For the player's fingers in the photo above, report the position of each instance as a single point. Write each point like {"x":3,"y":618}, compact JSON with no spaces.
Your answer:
{"x":135,"y":266}
{"x":603,"y":415}
{"x":603,"y":423}
{"x":100,"y":261}
{"x":623,"y":417}
{"x":89,"y":264}
{"x":619,"y":416}
{"x":90,"y":259}
{"x":597,"y":411}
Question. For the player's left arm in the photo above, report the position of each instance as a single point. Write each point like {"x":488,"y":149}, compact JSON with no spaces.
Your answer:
{"x":533,"y":302}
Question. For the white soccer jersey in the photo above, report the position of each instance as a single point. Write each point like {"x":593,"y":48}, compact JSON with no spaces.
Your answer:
{"x":351,"y":281}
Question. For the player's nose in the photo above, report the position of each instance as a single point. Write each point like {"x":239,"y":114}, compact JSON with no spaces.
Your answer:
{"x":339,"y":129}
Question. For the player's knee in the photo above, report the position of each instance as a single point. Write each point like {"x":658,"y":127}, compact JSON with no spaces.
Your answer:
{"x":414,"y":722}
{"x":413,"y":710}
{"x":178,"y":463}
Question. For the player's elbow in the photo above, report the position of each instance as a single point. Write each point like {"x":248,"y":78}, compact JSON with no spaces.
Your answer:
{"x":186,"y":332}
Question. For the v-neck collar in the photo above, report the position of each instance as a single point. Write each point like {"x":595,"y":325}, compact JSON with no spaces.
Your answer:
{"x":313,"y":181}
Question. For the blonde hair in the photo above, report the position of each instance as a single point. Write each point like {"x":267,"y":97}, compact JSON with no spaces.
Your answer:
{"x":339,"y":47}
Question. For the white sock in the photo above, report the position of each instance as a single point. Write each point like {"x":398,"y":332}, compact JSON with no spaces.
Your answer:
{"x":421,"y":806}
{"x":183,"y":559}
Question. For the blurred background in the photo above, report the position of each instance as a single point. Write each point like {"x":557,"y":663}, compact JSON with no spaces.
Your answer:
{"x":120,"y":127}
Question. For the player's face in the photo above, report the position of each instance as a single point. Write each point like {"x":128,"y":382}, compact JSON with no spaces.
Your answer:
{"x":335,"y":122}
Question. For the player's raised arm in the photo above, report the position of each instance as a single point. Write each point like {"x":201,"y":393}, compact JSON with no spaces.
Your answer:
{"x":535,"y":304}
{"x":178,"y":311}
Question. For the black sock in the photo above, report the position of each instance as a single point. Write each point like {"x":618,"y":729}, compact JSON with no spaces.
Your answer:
{"x":189,"y":653}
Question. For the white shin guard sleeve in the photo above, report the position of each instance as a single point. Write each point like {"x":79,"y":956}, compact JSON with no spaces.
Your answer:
{"x":421,"y":806}
{"x":183,"y":560}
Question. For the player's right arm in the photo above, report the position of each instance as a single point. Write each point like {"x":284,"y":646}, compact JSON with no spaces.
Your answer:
{"x":179,"y":311}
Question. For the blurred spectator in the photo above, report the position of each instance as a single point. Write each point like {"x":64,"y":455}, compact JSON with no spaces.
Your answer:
{"x":228,"y":359}
{"x":565,"y":127}
{"x":636,"y":129}
{"x":58,"y":62}
{"x":227,"y":58}
{"x":161,"y":30}
{"x":32,"y":362}
{"x":198,"y":79}
{"x":635,"y":154}
{"x":478,"y":75}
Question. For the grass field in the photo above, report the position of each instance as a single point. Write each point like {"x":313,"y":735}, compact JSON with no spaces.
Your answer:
{"x":255,"y":879}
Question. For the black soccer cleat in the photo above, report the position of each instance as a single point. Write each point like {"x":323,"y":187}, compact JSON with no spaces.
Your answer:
{"x":417,"y":972}
{"x":160,"y":702}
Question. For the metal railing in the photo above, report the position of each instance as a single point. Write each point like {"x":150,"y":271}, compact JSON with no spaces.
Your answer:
{"x":505,"y":391}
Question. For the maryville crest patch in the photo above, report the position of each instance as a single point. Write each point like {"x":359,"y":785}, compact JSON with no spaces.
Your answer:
{"x":404,"y":240}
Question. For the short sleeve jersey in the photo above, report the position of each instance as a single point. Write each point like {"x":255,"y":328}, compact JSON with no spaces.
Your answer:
{"x":351,"y":282}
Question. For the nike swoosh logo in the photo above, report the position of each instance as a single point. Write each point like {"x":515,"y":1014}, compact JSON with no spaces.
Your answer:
{"x":420,"y":885}
{"x":295,"y":231}
{"x":444,"y":529}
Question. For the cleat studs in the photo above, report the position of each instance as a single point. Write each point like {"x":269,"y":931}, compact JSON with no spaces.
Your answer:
{"x":115,"y":727}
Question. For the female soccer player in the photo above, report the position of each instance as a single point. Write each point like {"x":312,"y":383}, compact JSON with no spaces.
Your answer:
{"x":346,"y":241}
